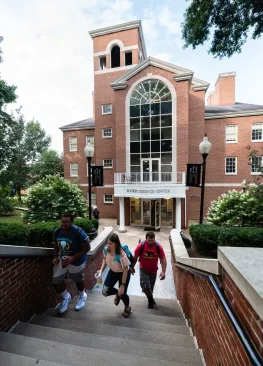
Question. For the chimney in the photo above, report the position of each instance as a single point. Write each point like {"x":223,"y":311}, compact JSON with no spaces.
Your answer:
{"x":224,"y":93}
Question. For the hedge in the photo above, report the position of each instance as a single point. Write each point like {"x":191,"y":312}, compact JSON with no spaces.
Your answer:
{"x":206,"y":238}
{"x":36,"y":235}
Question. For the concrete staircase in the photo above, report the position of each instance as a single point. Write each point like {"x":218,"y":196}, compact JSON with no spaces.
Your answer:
{"x":98,"y":335}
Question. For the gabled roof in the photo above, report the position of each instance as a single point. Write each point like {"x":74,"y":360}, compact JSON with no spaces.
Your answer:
{"x":180,"y":74}
{"x":120,"y":28}
{"x":85,"y":124}
{"x":234,"y":110}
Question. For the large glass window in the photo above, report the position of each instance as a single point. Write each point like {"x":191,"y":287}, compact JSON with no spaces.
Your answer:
{"x":151,"y":124}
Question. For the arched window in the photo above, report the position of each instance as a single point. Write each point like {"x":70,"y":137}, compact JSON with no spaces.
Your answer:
{"x":151,"y":130}
{"x":115,"y":56}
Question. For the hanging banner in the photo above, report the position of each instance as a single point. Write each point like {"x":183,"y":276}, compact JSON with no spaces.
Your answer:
{"x":97,"y":175}
{"x":193,"y":175}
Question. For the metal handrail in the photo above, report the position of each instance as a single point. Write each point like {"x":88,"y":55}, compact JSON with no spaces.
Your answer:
{"x":253,"y":354}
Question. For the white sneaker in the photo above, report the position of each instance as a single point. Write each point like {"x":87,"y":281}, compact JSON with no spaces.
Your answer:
{"x":64,"y":304}
{"x":81,"y":302}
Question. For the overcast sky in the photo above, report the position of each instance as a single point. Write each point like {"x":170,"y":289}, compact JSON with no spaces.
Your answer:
{"x":48,"y":53}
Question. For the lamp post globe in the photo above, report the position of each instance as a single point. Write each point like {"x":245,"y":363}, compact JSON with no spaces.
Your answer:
{"x":89,"y":153}
{"x":205,"y":146}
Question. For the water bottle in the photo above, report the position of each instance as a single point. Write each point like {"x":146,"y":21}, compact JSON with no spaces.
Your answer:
{"x":98,"y":278}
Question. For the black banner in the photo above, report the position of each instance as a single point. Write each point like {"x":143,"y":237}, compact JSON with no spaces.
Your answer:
{"x":193,"y":175}
{"x":97,"y":175}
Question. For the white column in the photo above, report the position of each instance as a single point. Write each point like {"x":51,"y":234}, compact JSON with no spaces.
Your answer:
{"x":178,"y":214}
{"x":122,"y":216}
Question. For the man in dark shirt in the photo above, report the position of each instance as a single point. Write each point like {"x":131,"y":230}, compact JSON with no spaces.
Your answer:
{"x":70,"y":255}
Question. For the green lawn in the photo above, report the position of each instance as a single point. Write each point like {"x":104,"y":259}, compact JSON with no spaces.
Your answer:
{"x":14,"y":216}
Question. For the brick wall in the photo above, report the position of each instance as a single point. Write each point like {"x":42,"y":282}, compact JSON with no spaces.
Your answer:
{"x":210,"y":324}
{"x":25,"y":286}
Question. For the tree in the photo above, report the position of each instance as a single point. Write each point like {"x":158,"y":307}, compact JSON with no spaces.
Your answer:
{"x":228,"y":23}
{"x":6,"y":202}
{"x":256,"y":161}
{"x":8,"y":122}
{"x":48,"y":199}
{"x":31,"y":142}
{"x":49,"y":163}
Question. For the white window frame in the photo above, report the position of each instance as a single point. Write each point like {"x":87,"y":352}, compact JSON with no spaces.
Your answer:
{"x":92,"y":164}
{"x":103,"y":133}
{"x":257,"y":126}
{"x":106,"y":201}
{"x":70,"y":144}
{"x":77,"y":169}
{"x":231,"y":157}
{"x":100,"y":58}
{"x":104,"y":108}
{"x":107,"y":166}
{"x":256,"y":173}
{"x":87,"y":137}
{"x":228,"y":141}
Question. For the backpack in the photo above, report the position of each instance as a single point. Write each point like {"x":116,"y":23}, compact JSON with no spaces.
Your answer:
{"x":78,"y":232}
{"x":142,"y":248}
{"x":118,"y":257}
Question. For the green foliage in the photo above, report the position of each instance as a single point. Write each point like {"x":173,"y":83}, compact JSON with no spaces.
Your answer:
{"x":13,"y":233}
{"x":41,"y":234}
{"x":6,"y":202}
{"x":205,"y":237}
{"x":49,"y":163}
{"x":48,"y":199}
{"x":95,"y":223}
{"x":237,"y":208}
{"x":228,"y":23}
{"x":255,"y":158}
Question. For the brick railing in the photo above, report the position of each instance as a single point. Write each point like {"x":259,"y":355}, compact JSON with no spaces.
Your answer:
{"x":25,"y":280}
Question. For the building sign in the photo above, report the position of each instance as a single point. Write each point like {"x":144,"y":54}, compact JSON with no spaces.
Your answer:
{"x":148,"y":191}
{"x":97,"y":175}
{"x":193,"y":175}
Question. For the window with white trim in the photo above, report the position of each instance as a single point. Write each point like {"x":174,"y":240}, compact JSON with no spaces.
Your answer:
{"x":73,"y":143}
{"x":256,"y":165}
{"x":107,"y":133}
{"x":90,"y":140}
{"x":108,"y":198}
{"x":108,"y":163}
{"x":257,"y":132}
{"x":106,"y":109}
{"x":231,"y":134}
{"x":102,"y":62}
{"x":231,"y":166}
{"x":74,"y":169}
{"x":92,"y":164}
{"x":93,"y":198}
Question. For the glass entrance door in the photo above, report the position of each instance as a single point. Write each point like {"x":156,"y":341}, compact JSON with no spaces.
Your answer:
{"x":151,"y":213}
{"x":146,"y":212}
{"x":157,"y":215}
{"x":150,"y":170}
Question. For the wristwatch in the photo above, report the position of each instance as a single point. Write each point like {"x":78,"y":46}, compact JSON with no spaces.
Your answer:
{"x":123,"y":284}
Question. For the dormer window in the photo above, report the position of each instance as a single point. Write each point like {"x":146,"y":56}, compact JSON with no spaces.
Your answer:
{"x":128,"y":58}
{"x":115,"y":57}
{"x":102,"y":62}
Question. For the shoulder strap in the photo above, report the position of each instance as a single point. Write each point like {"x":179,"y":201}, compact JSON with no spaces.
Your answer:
{"x":142,"y":247}
{"x":105,"y":250}
{"x":57,"y":231}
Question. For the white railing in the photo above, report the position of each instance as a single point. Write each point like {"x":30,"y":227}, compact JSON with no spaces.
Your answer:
{"x":134,"y":178}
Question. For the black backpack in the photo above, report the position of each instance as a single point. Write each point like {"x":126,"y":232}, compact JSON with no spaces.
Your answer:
{"x":142,"y":248}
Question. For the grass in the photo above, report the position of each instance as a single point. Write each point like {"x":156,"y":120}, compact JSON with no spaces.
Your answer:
{"x":14,"y":216}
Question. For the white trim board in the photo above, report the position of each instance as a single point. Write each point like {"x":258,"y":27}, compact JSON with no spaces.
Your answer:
{"x":107,"y":51}
{"x":114,"y":69}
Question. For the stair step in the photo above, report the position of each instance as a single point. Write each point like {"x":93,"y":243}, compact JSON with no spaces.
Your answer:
{"x":77,"y":355}
{"x":108,"y":343}
{"x":142,"y":309}
{"x":10,"y":359}
{"x":104,"y":316}
{"x":95,"y":327}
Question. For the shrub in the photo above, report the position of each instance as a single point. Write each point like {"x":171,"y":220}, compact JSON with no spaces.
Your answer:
{"x":7,"y":204}
{"x":42,"y":234}
{"x":241,"y":237}
{"x":205,"y":237}
{"x":95,"y":223}
{"x":85,"y":224}
{"x":52,"y":196}
{"x":13,"y":233}
{"x":237,"y":208}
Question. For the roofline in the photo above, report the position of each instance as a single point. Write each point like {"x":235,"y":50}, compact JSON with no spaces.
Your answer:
{"x":258,"y":112}
{"x":76,"y":128}
{"x":119,"y":28}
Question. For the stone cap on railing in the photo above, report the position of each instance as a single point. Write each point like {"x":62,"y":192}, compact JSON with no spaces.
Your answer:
{"x":24,"y":251}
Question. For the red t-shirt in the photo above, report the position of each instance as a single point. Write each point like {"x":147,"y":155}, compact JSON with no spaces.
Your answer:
{"x":149,"y":258}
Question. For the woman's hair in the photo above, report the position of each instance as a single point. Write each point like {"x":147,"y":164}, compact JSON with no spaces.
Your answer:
{"x":114,"y":238}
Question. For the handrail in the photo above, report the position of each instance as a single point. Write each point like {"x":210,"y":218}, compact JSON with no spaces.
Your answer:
{"x":250,"y":349}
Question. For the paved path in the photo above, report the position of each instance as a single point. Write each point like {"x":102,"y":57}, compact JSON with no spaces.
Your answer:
{"x":163,"y":289}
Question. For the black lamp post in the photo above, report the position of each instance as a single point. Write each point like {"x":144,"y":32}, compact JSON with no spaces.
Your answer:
{"x":204,"y":149}
{"x":89,"y":152}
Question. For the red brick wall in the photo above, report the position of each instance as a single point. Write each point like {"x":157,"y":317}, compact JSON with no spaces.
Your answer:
{"x":224,"y":92}
{"x":210,"y":324}
{"x":25,"y":287}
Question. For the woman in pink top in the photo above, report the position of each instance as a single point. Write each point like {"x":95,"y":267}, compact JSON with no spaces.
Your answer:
{"x":116,"y":259}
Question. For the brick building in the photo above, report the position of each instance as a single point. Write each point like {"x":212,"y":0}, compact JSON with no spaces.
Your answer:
{"x":149,"y":119}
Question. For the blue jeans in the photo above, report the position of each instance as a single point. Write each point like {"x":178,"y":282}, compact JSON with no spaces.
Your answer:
{"x":110,"y":281}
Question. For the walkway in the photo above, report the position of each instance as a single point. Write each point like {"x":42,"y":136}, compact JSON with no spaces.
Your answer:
{"x":163,"y":289}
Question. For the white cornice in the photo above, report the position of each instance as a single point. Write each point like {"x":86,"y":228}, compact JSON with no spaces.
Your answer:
{"x":183,"y":77}
{"x":115,"y":69}
{"x":64,"y":129}
{"x":258,"y":112}
{"x":120,"y":28}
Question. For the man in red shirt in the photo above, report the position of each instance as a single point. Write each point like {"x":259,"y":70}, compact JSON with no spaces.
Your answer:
{"x":148,"y":252}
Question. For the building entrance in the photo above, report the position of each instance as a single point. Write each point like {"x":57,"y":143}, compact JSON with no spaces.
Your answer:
{"x":151,"y":213}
